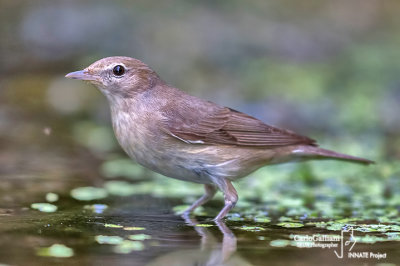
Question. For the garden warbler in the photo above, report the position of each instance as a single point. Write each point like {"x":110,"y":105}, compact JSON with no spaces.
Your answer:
{"x":188,"y":138}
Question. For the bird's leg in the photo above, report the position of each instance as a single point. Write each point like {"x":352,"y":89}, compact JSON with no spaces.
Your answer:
{"x":210,"y":191}
{"x":230,"y":196}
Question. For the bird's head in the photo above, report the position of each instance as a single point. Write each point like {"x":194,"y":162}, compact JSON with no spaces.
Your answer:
{"x":118,"y":76}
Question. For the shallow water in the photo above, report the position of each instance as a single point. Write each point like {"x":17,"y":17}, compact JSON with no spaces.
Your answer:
{"x":143,"y":230}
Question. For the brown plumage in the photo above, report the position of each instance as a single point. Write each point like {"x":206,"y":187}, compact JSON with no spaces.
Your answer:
{"x":226,"y":126}
{"x":184,"y":137}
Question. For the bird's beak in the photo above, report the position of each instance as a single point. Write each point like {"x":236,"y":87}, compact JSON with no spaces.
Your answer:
{"x":82,"y":75}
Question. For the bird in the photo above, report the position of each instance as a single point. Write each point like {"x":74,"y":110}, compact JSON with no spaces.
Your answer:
{"x":187,"y":138}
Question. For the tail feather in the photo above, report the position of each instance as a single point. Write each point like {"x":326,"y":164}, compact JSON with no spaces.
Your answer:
{"x":319,"y":153}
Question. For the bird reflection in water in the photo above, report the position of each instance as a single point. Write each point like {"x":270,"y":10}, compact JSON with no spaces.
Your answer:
{"x":211,"y":251}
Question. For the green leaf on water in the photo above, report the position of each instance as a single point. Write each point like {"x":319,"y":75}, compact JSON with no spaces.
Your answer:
{"x":251,"y":228}
{"x":204,"y":225}
{"x":290,"y":225}
{"x":134,"y":228}
{"x":139,"y":237}
{"x":113,"y":225}
{"x":111,"y":240}
{"x":280,"y":243}
{"x":128,"y":246}
{"x":285,"y":219}
{"x":52,"y":197}
{"x":88,"y":193}
{"x":56,"y":250}
{"x":262,"y":219}
{"x":44,"y":207}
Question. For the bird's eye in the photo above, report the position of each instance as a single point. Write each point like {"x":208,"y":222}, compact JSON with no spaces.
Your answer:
{"x":118,"y":70}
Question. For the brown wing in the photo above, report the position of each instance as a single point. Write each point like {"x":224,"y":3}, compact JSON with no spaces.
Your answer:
{"x":217,"y":125}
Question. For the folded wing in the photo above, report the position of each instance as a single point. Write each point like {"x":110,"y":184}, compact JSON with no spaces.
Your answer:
{"x":220,"y":125}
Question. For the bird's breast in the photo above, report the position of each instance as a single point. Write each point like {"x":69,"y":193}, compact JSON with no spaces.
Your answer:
{"x":152,"y":148}
{"x":131,"y":133}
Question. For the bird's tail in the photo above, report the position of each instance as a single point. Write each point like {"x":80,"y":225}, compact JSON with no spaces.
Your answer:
{"x":313,"y":152}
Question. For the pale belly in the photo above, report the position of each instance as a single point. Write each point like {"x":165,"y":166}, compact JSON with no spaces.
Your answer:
{"x":200,"y":163}
{"x":187,"y":165}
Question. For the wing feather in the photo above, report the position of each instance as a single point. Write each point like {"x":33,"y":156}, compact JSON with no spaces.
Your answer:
{"x":220,"y":125}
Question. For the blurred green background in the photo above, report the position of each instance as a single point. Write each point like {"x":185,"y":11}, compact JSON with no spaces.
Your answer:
{"x":325,"y":69}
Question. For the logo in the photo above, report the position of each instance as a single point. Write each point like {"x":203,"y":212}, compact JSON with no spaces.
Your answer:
{"x":342,"y":245}
{"x":346,"y":243}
